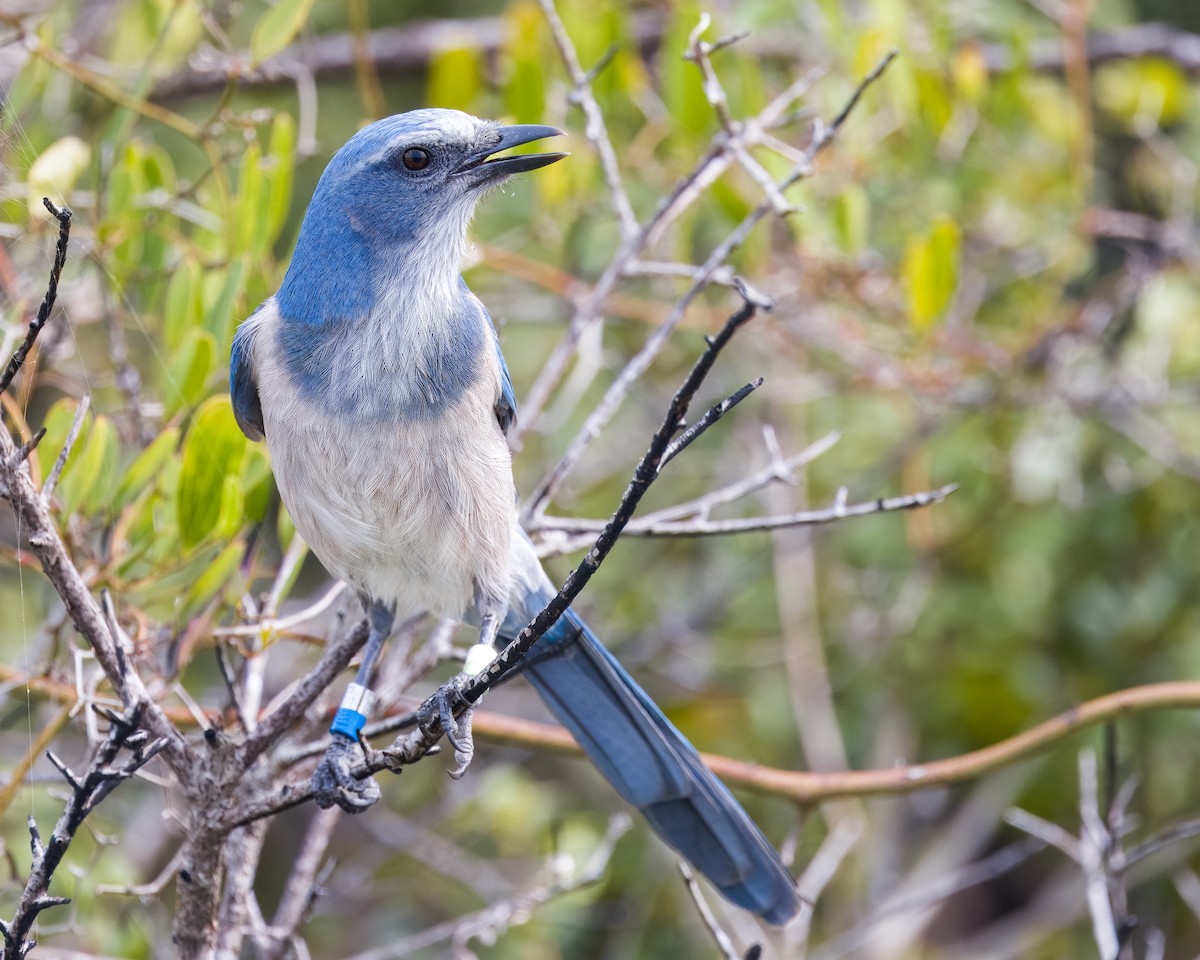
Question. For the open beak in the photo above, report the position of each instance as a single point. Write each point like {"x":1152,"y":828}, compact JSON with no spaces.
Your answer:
{"x":480,"y":169}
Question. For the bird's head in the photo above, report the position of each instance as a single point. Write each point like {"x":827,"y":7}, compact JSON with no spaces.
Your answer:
{"x":396,"y":201}
{"x":418,"y":173}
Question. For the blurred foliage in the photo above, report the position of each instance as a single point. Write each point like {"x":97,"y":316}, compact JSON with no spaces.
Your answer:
{"x":992,"y":282}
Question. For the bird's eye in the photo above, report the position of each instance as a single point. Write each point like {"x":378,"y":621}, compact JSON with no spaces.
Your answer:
{"x":416,"y":158}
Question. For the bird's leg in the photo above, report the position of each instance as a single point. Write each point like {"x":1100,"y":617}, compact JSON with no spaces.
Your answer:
{"x":447,"y":699}
{"x":332,"y":781}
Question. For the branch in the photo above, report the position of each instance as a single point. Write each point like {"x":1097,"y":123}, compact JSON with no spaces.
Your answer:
{"x":86,"y":794}
{"x":63,"y":216}
{"x":595,"y":128}
{"x":808,"y":787}
{"x":840,"y":510}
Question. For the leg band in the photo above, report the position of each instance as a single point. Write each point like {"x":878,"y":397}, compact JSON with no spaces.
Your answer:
{"x":351,"y":717}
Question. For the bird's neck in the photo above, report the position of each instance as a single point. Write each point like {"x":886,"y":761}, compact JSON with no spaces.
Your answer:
{"x":377,"y":335}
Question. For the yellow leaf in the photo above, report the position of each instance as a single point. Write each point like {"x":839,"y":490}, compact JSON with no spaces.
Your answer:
{"x":55,"y":172}
{"x":931,"y":272}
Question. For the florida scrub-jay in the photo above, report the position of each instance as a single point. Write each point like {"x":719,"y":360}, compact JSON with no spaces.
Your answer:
{"x":376,"y":378}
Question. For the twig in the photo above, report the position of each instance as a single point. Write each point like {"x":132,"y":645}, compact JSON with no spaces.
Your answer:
{"x":818,"y":874}
{"x":1160,"y":841}
{"x":595,"y":128}
{"x":269,"y":626}
{"x":26,"y":449}
{"x":81,"y":410}
{"x":1049,"y":833}
{"x":1093,"y":849}
{"x":647,"y":471}
{"x":87,"y":792}
{"x":302,"y":887}
{"x":720,"y":937}
{"x":648,"y":527}
{"x":63,"y":216}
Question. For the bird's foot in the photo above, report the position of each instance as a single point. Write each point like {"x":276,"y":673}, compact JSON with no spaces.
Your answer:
{"x":441,"y":707}
{"x":334,"y":783}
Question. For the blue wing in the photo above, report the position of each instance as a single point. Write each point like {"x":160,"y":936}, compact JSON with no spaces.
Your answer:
{"x":243,"y":387}
{"x":506,"y":405}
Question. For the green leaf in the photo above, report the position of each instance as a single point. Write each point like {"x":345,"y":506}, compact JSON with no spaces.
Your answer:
{"x":214,"y":578}
{"x":87,"y":480}
{"x":852,"y":218}
{"x":931,"y":272}
{"x":252,"y":200}
{"x":233,"y":508}
{"x":256,"y":481}
{"x":185,"y":304}
{"x":683,"y":92}
{"x":277,"y":28}
{"x":55,"y":172}
{"x":218,"y":319}
{"x":147,"y":465}
{"x":187,"y":373}
{"x":57,"y":424}
{"x":281,"y":151}
{"x":212,"y":451}
{"x":1145,"y":94}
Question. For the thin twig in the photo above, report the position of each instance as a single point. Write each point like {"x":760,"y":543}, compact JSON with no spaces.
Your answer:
{"x":60,"y":462}
{"x":720,"y":937}
{"x":1186,"y":830}
{"x":1049,"y":833}
{"x":648,"y":527}
{"x":595,"y":129}
{"x":1093,"y":849}
{"x":63,"y":216}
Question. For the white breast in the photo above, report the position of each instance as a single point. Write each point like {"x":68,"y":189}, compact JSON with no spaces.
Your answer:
{"x":417,"y":513}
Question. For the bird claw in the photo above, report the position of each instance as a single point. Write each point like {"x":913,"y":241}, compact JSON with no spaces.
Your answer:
{"x":441,"y":706}
{"x":334,"y":783}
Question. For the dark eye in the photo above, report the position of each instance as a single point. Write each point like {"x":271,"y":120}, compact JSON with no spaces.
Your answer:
{"x":416,"y":158}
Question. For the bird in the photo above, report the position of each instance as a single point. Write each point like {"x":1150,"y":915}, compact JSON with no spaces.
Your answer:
{"x":376,"y":378}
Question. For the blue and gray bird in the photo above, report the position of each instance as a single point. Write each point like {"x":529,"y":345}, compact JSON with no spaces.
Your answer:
{"x":376,"y":378}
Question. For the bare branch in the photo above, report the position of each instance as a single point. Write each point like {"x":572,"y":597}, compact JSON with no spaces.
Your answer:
{"x":595,"y":129}
{"x":63,"y":216}
{"x":649,"y":527}
{"x":720,"y":937}
{"x":81,"y":410}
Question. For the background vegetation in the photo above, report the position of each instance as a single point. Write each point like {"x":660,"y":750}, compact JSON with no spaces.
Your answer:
{"x":991,"y":281}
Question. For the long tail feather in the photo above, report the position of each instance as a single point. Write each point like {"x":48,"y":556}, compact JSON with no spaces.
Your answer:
{"x":653,"y":766}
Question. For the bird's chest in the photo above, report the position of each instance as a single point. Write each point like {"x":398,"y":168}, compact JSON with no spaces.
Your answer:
{"x":409,"y":499}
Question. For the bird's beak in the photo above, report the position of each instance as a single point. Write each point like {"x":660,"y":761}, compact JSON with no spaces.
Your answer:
{"x":480,"y":169}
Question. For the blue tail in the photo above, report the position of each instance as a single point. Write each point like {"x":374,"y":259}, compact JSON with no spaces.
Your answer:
{"x":654,"y":767}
